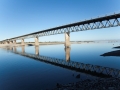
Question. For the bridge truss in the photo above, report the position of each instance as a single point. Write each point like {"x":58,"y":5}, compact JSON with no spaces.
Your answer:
{"x":96,"y":23}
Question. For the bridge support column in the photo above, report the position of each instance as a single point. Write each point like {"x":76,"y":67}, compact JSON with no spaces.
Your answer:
{"x":14,"y":41}
{"x":37,"y":50}
{"x":36,"y":41}
{"x":67,"y":54}
{"x":67,"y":39}
{"x":22,"y":42}
{"x":6,"y":42}
{"x":11,"y":42}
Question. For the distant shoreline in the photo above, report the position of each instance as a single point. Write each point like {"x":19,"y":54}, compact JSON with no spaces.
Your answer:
{"x":55,"y":43}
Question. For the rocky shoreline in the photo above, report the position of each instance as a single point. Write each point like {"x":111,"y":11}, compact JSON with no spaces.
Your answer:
{"x":97,"y":84}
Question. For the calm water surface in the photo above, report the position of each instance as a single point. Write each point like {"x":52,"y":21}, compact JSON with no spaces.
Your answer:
{"x":18,"y":72}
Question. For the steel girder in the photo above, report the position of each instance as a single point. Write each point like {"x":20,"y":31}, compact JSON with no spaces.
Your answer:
{"x":96,"y":23}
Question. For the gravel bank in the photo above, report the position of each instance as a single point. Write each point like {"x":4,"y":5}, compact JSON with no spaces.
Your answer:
{"x":97,"y":84}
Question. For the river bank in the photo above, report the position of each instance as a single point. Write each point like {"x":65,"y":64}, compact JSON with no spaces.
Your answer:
{"x":97,"y":84}
{"x":53,"y":43}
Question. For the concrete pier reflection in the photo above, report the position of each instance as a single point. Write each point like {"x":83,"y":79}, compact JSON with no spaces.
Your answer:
{"x":11,"y":48}
{"x":37,"y":50}
{"x":23,"y":49}
{"x":14,"y":49}
{"x":22,"y":42}
{"x":67,"y":54}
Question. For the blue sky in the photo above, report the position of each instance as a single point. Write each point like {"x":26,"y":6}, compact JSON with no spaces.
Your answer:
{"x":19,"y":17}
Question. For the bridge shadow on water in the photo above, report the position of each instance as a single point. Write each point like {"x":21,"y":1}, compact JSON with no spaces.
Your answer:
{"x":94,"y":70}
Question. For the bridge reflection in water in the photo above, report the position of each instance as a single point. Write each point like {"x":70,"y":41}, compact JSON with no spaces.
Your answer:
{"x":94,"y":70}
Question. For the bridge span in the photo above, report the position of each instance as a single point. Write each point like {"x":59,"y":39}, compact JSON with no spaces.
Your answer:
{"x":107,"y":21}
{"x":94,"y":70}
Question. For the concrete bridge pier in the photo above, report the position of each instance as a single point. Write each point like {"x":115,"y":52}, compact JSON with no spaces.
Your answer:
{"x":6,"y":42}
{"x":11,"y":42}
{"x":37,"y":41}
{"x":37,"y":50}
{"x":22,"y":42}
{"x":67,"y":39}
{"x":14,"y":41}
{"x":67,"y":54}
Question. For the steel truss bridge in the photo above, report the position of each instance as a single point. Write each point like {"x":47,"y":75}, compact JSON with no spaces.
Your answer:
{"x":94,"y":70}
{"x":95,"y":23}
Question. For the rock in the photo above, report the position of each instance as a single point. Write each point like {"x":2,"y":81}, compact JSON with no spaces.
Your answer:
{"x":78,"y":76}
{"x":87,"y":84}
{"x":73,"y":75}
{"x":58,"y":85}
{"x":111,"y":88}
